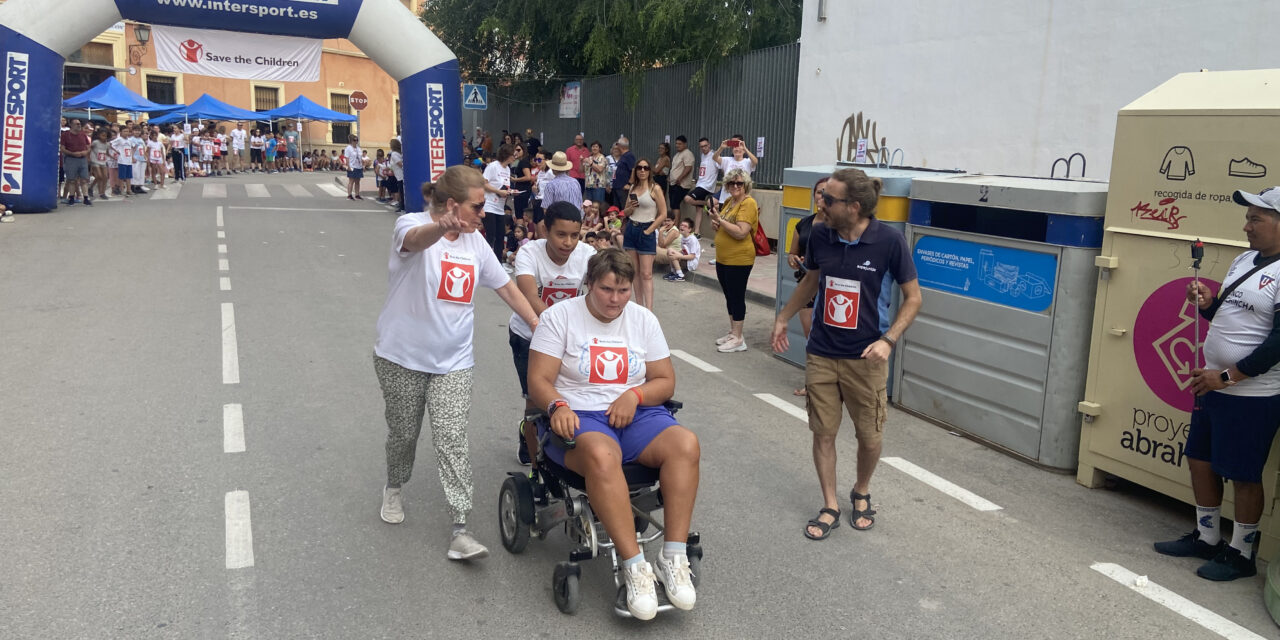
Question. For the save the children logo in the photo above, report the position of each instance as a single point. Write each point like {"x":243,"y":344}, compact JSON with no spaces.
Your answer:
{"x":608,"y":361}
{"x":840,"y":303}
{"x":190,"y":50}
{"x":457,"y":278}
{"x":1164,"y":342}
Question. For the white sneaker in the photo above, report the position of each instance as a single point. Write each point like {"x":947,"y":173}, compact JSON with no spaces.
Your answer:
{"x":677,"y":578}
{"x":736,"y":344}
{"x":642,"y":597}
{"x":464,"y":547}
{"x":723,"y":339}
{"x":392,"y":508}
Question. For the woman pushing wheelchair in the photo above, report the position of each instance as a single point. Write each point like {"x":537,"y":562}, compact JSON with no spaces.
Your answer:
{"x":601,"y":366}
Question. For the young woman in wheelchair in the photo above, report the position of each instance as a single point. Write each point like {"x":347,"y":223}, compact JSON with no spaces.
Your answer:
{"x":601,"y":366}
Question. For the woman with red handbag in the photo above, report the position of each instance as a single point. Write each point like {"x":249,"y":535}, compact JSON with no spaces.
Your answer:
{"x":735,"y":224}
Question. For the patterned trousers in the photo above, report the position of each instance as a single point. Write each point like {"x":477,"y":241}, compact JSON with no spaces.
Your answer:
{"x":447,"y":398}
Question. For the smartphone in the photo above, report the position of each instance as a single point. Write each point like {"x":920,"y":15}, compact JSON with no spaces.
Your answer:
{"x":733,"y":143}
{"x":633,"y":197}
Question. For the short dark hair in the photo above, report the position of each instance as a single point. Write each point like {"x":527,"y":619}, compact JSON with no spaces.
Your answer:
{"x":505,"y":152}
{"x":562,"y":211}
{"x":591,"y":235}
{"x":688,"y":221}
{"x":701,"y":140}
{"x":681,"y":138}
{"x":612,"y":260}
{"x":738,"y":136}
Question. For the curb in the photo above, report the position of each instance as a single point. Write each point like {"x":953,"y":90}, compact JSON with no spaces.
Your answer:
{"x":710,"y":282}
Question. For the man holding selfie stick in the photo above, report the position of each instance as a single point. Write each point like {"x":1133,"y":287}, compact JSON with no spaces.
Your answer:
{"x":1238,"y":396}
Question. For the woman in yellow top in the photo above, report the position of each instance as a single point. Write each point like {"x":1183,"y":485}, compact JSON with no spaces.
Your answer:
{"x":735,"y":223}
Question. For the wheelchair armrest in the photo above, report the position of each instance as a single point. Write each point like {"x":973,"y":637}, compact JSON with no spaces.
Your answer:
{"x":673,"y":405}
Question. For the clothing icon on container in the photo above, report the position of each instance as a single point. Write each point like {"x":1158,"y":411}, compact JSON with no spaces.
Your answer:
{"x":1246,"y":168}
{"x":1178,"y":163}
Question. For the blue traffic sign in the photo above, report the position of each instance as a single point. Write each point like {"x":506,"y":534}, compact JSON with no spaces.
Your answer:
{"x":475,"y":96}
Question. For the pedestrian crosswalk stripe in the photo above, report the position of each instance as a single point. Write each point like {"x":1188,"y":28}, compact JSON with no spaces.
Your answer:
{"x":297,"y":191}
{"x":331,"y":189}
{"x":214,"y":190}
{"x":169,"y":192}
{"x":257,"y":191}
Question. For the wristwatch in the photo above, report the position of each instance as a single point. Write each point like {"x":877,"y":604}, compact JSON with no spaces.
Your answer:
{"x":1225,"y":376}
{"x":556,"y":404}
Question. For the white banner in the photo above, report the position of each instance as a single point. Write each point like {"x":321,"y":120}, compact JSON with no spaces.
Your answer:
{"x":228,"y":54}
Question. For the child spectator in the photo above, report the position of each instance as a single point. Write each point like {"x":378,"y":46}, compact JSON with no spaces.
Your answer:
{"x":686,"y":255}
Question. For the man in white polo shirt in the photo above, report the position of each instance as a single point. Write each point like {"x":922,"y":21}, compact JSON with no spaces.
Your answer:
{"x":1238,"y":396}
{"x":238,"y":137}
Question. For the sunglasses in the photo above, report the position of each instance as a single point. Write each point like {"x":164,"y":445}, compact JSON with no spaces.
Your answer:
{"x":830,"y":199}
{"x":537,"y":160}
{"x":735,"y":183}
{"x":642,"y":168}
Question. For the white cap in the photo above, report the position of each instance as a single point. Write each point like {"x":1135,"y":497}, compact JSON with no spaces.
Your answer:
{"x":1268,"y":198}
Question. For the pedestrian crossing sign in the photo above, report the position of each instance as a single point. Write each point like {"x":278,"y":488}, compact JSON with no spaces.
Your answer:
{"x":475,"y":96}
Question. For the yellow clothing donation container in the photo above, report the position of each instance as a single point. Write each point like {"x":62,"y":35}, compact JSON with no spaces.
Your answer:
{"x":1180,"y":152}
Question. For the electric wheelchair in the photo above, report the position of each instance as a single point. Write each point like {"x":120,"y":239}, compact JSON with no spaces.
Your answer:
{"x":531,"y":505}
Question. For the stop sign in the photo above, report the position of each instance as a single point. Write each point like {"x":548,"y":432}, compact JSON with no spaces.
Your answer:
{"x":358,"y":100}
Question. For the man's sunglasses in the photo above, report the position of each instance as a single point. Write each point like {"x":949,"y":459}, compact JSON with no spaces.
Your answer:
{"x":829,"y":200}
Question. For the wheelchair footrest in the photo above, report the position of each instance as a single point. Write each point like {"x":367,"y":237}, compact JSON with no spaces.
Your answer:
{"x":620,"y":603}
{"x":581,"y":554}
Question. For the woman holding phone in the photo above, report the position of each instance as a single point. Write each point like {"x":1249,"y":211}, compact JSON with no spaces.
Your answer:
{"x":645,"y":209}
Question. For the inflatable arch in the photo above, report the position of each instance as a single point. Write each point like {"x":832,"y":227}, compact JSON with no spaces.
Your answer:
{"x":37,"y":35}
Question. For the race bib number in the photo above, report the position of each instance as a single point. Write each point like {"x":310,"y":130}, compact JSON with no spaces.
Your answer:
{"x":457,"y":278}
{"x":840,"y":303}
{"x":608,"y":357}
{"x":559,"y":290}
{"x":157,"y":156}
{"x":102,"y":156}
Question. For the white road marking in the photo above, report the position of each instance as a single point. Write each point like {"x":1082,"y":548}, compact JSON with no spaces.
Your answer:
{"x":214,"y":190}
{"x":1176,"y":603}
{"x":315,"y":209}
{"x":695,"y":361}
{"x":332,"y":189}
{"x":239,"y":530}
{"x":169,"y":192}
{"x":222,"y":248}
{"x":223,"y":265}
{"x":230,"y":352}
{"x":232,"y":428}
{"x":945,"y":486}
{"x":297,"y":190}
{"x":219,"y":217}
{"x":224,"y":284}
{"x":796,"y":412}
{"x":222,"y":235}
{"x":257,"y":191}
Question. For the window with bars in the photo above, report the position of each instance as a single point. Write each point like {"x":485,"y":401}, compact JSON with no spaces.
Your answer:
{"x":340,"y":130}
{"x":264,"y":99}
{"x":162,"y":89}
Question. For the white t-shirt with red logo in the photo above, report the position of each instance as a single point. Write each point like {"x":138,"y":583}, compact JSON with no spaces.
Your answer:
{"x":556,"y":282}
{"x":429,"y":317}
{"x":599,"y":361}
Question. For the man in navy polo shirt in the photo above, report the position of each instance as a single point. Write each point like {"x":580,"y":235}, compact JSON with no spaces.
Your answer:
{"x":850,"y":261}
{"x":1238,"y":404}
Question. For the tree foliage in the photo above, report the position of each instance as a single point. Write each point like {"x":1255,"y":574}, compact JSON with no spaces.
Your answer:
{"x":549,"y":40}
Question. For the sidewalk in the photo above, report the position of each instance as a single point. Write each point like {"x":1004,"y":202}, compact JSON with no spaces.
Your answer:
{"x":762,"y":286}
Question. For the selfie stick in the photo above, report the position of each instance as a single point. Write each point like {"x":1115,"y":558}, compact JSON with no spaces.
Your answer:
{"x":1197,"y":254}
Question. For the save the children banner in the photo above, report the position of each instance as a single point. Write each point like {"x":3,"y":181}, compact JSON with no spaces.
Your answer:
{"x":228,"y":54}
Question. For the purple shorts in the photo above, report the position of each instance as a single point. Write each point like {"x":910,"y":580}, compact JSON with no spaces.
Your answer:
{"x":632,"y":439}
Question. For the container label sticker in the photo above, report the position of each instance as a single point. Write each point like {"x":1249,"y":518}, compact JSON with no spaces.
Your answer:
{"x":1012,"y":277}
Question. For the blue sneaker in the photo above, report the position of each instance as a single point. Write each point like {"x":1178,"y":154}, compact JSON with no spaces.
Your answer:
{"x":1190,"y":545}
{"x":1228,"y":565}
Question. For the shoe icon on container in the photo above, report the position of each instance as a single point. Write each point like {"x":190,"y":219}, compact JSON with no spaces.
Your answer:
{"x":1246,"y":168}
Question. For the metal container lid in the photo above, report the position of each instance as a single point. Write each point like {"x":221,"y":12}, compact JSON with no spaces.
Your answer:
{"x":897,"y":180}
{"x":1064,"y":197}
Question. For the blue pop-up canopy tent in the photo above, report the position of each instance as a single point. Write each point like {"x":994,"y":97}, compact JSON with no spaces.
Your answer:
{"x":302,"y":108}
{"x":110,"y":94}
{"x":206,"y":107}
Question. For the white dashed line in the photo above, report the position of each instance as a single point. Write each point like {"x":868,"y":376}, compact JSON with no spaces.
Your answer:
{"x":332,"y":189}
{"x":224,"y":284}
{"x":222,"y":235}
{"x":695,"y":361}
{"x":297,"y":191}
{"x":1175,"y":603}
{"x":219,"y":217}
{"x":796,"y":412}
{"x":223,"y":265}
{"x":239,"y":530}
{"x":257,"y":191}
{"x":230,"y":352}
{"x":222,"y":248}
{"x":214,"y":190}
{"x":963,"y":495}
{"x":232,"y":428}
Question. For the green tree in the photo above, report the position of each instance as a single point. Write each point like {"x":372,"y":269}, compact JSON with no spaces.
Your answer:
{"x":548,"y":40}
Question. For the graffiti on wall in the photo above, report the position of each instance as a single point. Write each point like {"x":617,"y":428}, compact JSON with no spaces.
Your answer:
{"x":856,"y":128}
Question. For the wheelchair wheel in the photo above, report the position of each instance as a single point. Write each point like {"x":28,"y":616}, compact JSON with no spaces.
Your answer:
{"x":564,"y":585}
{"x":694,"y":554}
{"x":513,"y":501}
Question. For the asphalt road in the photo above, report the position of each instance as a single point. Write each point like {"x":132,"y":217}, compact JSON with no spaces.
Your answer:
{"x":114,"y":479}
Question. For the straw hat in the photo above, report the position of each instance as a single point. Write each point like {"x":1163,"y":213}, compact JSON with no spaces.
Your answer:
{"x":559,"y":162}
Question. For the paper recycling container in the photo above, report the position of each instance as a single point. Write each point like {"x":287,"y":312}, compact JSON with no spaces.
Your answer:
{"x":999,"y":349}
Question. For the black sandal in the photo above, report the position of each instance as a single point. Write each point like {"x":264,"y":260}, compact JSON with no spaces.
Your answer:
{"x":826,"y":527}
{"x":856,"y":513}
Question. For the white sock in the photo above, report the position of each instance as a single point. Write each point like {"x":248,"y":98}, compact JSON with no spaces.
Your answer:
{"x":672,"y":549}
{"x":459,"y":528}
{"x":633,"y":560}
{"x":680,"y":272}
{"x":1242,"y":538}
{"x":1207,"y":524}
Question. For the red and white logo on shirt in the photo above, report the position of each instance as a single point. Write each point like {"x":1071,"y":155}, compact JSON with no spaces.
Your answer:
{"x":457,"y":278}
{"x":559,"y":290}
{"x":608,"y":361}
{"x":840,"y":303}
